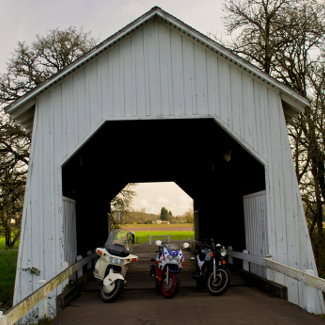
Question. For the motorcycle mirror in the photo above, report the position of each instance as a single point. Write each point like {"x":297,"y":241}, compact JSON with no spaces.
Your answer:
{"x":186,"y":245}
{"x":158,"y":242}
{"x":192,"y":258}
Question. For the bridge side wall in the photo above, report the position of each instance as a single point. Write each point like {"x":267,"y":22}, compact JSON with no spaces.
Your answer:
{"x":158,"y":73}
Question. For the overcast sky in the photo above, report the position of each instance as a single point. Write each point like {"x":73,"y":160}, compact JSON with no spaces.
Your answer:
{"x":21,"y":20}
{"x":154,"y":196}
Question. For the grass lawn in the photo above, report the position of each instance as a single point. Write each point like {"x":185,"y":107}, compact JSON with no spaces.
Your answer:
{"x":147,"y":229}
{"x":143,"y":236}
{"x":8,"y":262}
{"x":148,"y":226}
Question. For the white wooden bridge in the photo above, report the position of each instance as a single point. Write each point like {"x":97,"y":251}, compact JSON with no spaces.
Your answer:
{"x":158,"y":86}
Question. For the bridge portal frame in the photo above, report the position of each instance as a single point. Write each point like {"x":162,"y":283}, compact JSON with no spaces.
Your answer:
{"x":158,"y":68}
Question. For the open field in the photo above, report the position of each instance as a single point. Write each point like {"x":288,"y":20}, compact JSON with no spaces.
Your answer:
{"x":143,"y":236}
{"x":177,"y":231}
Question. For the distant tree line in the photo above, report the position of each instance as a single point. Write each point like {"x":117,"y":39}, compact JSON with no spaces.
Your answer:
{"x":141,"y":216}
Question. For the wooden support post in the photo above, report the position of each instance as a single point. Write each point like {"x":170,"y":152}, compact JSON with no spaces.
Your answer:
{"x":230,"y":258}
{"x":80,"y":271}
{"x":42,"y":306}
{"x":3,"y":319}
{"x":245,"y":263}
{"x":168,"y":238}
{"x":64,"y":266}
{"x":309,"y":295}
{"x":149,"y":240}
{"x":90,"y":263}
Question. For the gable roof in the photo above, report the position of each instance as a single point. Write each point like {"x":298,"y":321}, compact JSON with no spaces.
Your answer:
{"x":22,"y":110}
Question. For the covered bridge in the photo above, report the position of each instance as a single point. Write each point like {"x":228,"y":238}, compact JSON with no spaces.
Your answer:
{"x":158,"y":101}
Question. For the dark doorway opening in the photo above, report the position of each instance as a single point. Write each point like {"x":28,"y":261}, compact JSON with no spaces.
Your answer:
{"x":197,"y":154}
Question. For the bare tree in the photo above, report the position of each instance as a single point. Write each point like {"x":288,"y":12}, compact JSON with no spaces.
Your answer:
{"x":29,"y":66}
{"x":32,"y":64}
{"x":123,"y":201}
{"x":285,"y":38}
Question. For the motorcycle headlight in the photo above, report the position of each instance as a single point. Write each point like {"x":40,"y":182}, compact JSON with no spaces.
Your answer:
{"x":115,"y":260}
{"x":177,"y":259}
{"x":169,"y":258}
{"x":223,"y":251}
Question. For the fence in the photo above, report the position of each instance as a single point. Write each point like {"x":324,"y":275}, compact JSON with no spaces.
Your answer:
{"x":40,"y":295}
{"x":167,"y":236}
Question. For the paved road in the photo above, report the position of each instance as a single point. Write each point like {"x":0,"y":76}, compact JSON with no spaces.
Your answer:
{"x":139,"y":304}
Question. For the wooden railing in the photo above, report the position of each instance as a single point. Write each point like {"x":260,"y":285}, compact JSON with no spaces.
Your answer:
{"x":163,"y":236}
{"x":19,"y":310}
{"x":306,"y":276}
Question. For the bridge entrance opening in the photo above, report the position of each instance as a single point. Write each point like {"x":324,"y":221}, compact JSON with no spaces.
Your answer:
{"x":197,"y":154}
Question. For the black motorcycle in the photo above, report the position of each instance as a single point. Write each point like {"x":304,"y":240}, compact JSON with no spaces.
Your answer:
{"x":211,"y":268}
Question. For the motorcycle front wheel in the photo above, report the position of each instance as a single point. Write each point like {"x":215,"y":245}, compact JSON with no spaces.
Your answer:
{"x":222,"y":283}
{"x":114,"y":294}
{"x":171,"y":290}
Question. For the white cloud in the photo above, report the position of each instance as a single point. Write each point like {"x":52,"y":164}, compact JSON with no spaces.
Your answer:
{"x":154,"y":196}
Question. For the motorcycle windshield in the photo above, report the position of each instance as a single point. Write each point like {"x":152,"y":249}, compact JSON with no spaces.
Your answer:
{"x":172,"y":247}
{"x":117,"y":243}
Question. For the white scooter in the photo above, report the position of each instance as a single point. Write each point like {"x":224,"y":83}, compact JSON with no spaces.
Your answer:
{"x":112,"y":266}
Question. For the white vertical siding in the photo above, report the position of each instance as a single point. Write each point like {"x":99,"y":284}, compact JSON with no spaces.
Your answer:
{"x":157,"y":73}
{"x":69,"y":231}
{"x":256,"y":233}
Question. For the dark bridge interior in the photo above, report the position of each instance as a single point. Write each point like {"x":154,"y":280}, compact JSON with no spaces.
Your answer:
{"x":189,"y":152}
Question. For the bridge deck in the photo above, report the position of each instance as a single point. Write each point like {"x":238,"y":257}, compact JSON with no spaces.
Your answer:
{"x":139,"y":303}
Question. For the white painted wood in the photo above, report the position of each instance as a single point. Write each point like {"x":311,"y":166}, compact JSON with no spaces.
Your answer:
{"x":70,"y":231}
{"x":245,"y":256}
{"x":158,"y":72}
{"x":64,"y":266}
{"x":43,"y":290}
{"x":42,"y":305}
{"x":245,"y":262}
{"x":256,"y":232}
{"x":80,"y":271}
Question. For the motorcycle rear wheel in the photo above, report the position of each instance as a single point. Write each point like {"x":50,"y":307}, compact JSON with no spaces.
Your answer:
{"x":112,"y":296}
{"x":221,"y":285}
{"x":172,"y":292}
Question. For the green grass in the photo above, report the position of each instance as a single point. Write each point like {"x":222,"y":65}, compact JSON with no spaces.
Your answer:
{"x":146,"y":226}
{"x":8,"y":262}
{"x":143,"y":236}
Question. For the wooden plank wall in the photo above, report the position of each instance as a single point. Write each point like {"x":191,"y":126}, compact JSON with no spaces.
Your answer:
{"x":256,"y":228}
{"x":158,"y":73}
{"x":70,"y":232}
